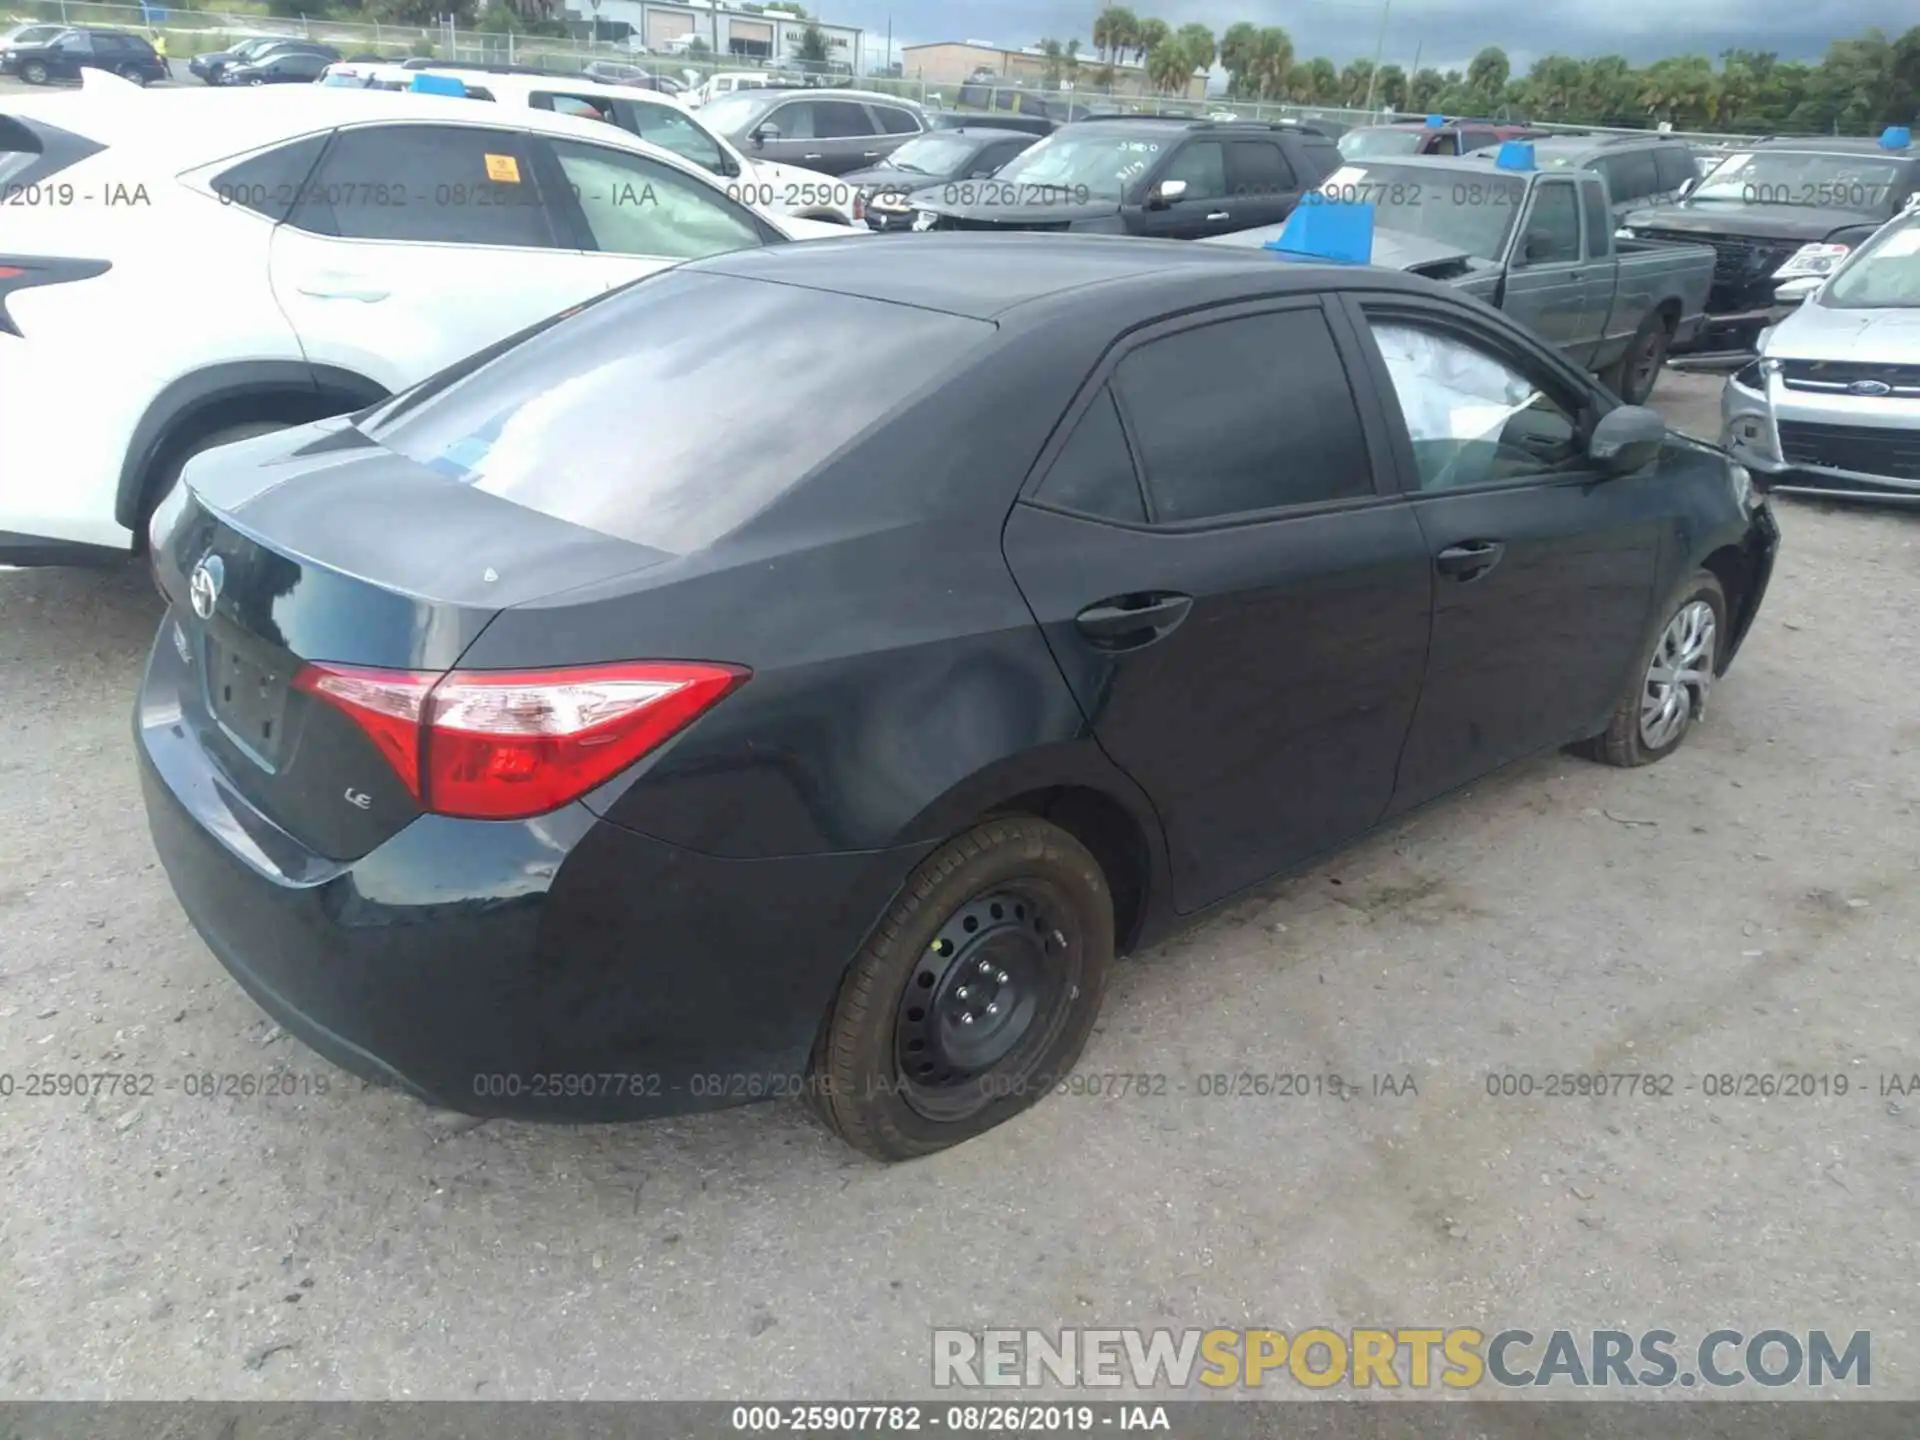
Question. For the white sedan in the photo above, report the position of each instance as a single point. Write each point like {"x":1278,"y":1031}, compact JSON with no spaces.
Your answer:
{"x":316,"y":249}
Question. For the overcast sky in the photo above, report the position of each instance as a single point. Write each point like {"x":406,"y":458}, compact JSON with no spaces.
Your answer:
{"x":1445,"y":33}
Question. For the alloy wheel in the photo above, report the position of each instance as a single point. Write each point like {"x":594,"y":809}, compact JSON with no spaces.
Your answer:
{"x":1680,"y":675}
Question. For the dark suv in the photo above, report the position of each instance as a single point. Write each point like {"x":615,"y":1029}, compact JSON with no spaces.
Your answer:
{"x":83,"y":47}
{"x":1639,"y":170}
{"x":1778,"y":210}
{"x":1423,"y":137}
{"x":1142,"y":175}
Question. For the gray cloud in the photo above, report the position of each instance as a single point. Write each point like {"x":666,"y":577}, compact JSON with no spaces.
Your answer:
{"x":1444,"y":32}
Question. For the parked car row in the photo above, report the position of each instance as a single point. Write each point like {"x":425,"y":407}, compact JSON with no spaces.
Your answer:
{"x":43,"y":54}
{"x":1206,"y":561}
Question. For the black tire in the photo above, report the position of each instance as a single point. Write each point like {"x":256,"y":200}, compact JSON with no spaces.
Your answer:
{"x":1633,"y":376}
{"x":135,"y":74}
{"x":1062,"y":947}
{"x":1625,"y":742}
{"x":34,"y":73}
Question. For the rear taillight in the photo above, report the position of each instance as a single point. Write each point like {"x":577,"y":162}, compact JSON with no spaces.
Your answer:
{"x":19,"y":273}
{"x":505,"y":745}
{"x":859,"y":206}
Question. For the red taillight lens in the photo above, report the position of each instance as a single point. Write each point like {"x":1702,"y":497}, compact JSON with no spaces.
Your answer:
{"x":859,"y":206}
{"x":505,"y":745}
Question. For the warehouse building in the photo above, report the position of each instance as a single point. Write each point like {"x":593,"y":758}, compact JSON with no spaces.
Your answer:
{"x":764,"y":36}
{"x":956,"y":62}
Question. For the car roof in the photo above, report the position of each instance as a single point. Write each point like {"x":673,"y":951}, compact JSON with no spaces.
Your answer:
{"x":1825,"y":145}
{"x":193,"y":127}
{"x":824,"y":92}
{"x":984,"y":277}
{"x":1558,"y":145}
{"x":518,"y":84}
{"x":1472,"y":162}
{"x":987,"y":132}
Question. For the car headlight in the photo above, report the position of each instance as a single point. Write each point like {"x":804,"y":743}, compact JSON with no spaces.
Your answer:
{"x":1813,"y":260}
{"x":924,"y":219}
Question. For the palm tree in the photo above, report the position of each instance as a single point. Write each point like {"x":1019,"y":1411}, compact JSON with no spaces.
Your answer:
{"x":1273,"y":68}
{"x":1070,"y":63}
{"x":1114,"y":29}
{"x":1148,"y":36}
{"x":1053,"y":55}
{"x":1240,"y":53}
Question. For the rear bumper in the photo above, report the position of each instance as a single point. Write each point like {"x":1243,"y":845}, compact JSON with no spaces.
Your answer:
{"x":563,"y":968}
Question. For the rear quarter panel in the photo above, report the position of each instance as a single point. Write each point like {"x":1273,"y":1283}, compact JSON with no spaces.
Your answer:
{"x":900,"y":684}
{"x":119,"y":339}
{"x":1652,"y":274}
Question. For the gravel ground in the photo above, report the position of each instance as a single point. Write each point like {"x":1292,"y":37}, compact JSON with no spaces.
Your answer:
{"x":1747,"y":906}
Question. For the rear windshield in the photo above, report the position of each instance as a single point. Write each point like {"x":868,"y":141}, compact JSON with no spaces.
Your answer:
{"x":1365,"y":144}
{"x":672,"y":413}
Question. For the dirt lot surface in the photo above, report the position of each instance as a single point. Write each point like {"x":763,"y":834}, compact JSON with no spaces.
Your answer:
{"x":1747,"y":907}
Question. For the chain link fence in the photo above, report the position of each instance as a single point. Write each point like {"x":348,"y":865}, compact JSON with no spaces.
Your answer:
{"x":194,"y":32}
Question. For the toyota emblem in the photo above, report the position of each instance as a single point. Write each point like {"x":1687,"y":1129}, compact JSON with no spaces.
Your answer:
{"x":204,"y":587}
{"x":1869,"y":387}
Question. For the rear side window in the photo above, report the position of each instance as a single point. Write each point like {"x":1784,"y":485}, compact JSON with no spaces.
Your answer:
{"x":269,"y":183}
{"x":1322,"y":156}
{"x":895,"y":121}
{"x":1593,"y":201}
{"x":840,"y":119}
{"x":1636,"y":175}
{"x":32,"y":151}
{"x":665,"y":444}
{"x":455,"y":185}
{"x":1674,"y":166}
{"x":1093,"y":474}
{"x":1257,"y":167}
{"x":1244,"y":415}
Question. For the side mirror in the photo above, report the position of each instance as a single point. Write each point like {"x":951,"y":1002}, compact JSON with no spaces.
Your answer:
{"x":1537,"y":246}
{"x":1687,"y":187}
{"x":1166,"y":192}
{"x":1797,"y":292}
{"x":1626,"y":439}
{"x":764,"y":132}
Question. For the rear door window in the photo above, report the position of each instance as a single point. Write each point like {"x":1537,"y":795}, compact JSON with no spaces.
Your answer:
{"x":895,"y":121}
{"x":446,"y":184}
{"x":1244,"y":415}
{"x":269,"y":183}
{"x":1094,"y":474}
{"x":839,"y":120}
{"x":1259,"y":167}
{"x":1638,"y":175}
{"x":1674,"y":165}
{"x":32,"y":151}
{"x":666,"y":444}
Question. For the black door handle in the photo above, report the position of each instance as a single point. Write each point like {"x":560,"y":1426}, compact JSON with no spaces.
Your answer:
{"x":1129,"y":620}
{"x":1471,"y":560}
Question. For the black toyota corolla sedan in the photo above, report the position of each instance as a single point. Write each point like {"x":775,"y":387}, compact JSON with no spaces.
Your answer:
{"x":802,"y":671}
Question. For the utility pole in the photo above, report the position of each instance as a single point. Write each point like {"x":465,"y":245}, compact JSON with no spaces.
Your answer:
{"x":1379,"y":46}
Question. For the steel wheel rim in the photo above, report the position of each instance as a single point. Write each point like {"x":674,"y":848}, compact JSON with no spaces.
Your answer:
{"x":1646,"y":369}
{"x":1680,"y":675}
{"x":1009,"y":959}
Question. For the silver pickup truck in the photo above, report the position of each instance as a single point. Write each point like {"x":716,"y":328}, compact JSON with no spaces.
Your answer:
{"x":1539,"y":245}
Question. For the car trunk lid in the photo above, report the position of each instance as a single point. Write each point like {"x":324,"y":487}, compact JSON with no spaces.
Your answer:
{"x":270,"y":565}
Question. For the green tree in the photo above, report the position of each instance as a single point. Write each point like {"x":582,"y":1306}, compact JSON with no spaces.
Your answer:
{"x":1390,"y":87}
{"x":1196,"y":42}
{"x":1354,"y":82}
{"x":1487,"y":76}
{"x":812,"y":48}
{"x":1070,"y":63}
{"x":1240,"y":56}
{"x":1114,"y":32}
{"x":1323,"y":81}
{"x":1053,"y":61}
{"x":1168,"y":70}
{"x":1147,"y":36}
{"x":1423,"y":90}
